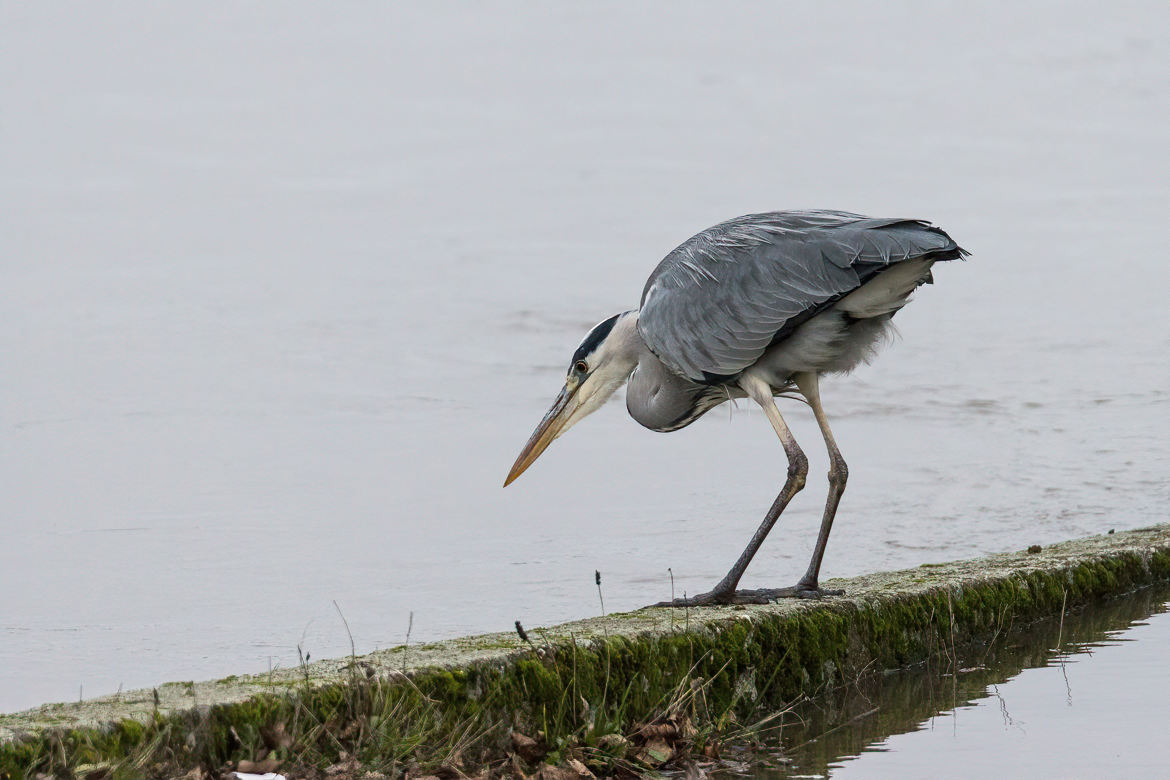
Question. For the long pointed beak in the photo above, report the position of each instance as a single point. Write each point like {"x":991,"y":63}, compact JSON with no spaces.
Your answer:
{"x":549,"y":428}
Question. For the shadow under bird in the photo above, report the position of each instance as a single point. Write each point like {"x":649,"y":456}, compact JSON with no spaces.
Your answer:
{"x":756,"y":307}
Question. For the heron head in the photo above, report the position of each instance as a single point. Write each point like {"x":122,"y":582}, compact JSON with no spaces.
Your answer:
{"x":601,"y":364}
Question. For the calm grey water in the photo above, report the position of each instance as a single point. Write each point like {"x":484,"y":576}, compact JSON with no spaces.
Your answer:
{"x":1082,"y":698}
{"x":285,"y":289}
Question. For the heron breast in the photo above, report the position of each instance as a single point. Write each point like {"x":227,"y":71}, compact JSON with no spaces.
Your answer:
{"x":661,"y":400}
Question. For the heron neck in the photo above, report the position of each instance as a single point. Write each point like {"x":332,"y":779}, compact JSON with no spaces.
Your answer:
{"x":625,"y":344}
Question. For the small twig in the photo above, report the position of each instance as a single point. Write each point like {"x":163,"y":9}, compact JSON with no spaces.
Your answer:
{"x":951,"y":629}
{"x":838,"y":727}
{"x":931,"y":653}
{"x":1008,"y":720}
{"x":1060,"y":630}
{"x":303,"y":657}
{"x":605,"y":631}
{"x":687,"y":604}
{"x":524,"y":635}
{"x":352,"y":648}
{"x":1060,"y":642}
{"x":857,"y":681}
{"x":406,"y":645}
{"x":995,"y":636}
{"x":954,"y":667}
{"x":671,"y":573}
{"x":576,"y":694}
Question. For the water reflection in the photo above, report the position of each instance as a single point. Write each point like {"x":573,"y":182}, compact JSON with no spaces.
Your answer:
{"x":1086,"y":696}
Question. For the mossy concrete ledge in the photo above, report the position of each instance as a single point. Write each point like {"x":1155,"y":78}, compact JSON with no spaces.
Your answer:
{"x":586,"y":676}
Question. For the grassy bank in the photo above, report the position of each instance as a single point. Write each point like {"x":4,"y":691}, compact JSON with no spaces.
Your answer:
{"x":609,"y":695}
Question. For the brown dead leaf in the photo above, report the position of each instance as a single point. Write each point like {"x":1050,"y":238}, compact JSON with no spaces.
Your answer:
{"x":258,"y":767}
{"x":517,"y":765}
{"x":658,"y":731}
{"x":528,"y":748}
{"x":614,"y":744}
{"x":656,"y":752}
{"x":579,"y":767}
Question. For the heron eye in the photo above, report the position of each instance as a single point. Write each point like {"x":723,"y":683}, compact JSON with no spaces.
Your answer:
{"x":581,"y":366}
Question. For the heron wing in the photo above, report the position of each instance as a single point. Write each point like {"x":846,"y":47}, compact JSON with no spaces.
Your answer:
{"x":715,"y":304}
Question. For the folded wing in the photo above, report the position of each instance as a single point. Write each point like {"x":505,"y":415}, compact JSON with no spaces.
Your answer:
{"x":714,"y":305}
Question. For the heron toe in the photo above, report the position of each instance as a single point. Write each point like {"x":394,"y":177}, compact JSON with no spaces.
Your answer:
{"x":771,"y":595}
{"x":712,"y":599}
{"x":816,"y":593}
{"x":759,"y":596}
{"x":809,"y":589}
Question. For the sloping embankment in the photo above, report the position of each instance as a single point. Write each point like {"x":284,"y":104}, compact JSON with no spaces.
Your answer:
{"x":464,"y":696}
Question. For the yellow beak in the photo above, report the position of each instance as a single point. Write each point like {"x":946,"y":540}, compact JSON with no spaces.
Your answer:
{"x":550,"y":427}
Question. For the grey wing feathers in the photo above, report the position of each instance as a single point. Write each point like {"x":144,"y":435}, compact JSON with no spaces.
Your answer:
{"x":714,"y":305}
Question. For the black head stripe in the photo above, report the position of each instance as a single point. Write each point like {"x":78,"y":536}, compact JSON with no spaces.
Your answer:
{"x":595,"y":337}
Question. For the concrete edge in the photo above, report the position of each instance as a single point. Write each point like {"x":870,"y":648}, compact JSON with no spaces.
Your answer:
{"x":1026,"y":584}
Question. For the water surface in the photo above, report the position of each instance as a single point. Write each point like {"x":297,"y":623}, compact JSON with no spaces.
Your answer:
{"x":285,"y":290}
{"x":1082,"y":697}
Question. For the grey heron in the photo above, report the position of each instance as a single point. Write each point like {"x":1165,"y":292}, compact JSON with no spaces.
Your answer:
{"x":756,"y":307}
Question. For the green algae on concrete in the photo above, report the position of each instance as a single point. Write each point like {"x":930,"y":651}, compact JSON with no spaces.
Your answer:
{"x":592,"y":676}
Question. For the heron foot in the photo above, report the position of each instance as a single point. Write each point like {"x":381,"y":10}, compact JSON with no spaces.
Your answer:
{"x":711,"y":599}
{"x":759,"y":596}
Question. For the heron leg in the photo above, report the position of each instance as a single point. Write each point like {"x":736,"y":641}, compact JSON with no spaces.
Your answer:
{"x":808,"y":586}
{"x":725,"y":592}
{"x":809,"y":386}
